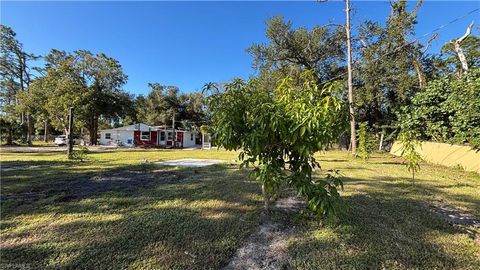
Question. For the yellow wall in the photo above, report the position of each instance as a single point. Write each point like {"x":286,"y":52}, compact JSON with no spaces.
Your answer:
{"x":446,"y":154}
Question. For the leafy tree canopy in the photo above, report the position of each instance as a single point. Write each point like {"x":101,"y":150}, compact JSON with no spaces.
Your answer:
{"x":446,"y":111}
{"x":54,"y":94}
{"x":278,"y":130}
{"x":471,"y":49}
{"x":164,"y":102}
{"x":320,"y":49}
{"x":390,"y":65}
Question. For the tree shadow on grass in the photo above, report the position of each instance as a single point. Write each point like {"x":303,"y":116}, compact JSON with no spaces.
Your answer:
{"x":170,"y":237}
{"x":385,"y":228}
{"x":10,"y":165}
{"x":331,"y":160}
{"x":134,"y":216}
{"x":60,"y":184}
{"x":406,"y":185}
{"x":400,"y":162}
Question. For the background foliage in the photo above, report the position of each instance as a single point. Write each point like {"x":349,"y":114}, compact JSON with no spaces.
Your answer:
{"x":446,"y":111}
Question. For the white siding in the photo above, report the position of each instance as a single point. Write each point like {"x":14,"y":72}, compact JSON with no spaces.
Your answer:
{"x":125,"y":137}
{"x":122,"y":134}
{"x":187,"y":139}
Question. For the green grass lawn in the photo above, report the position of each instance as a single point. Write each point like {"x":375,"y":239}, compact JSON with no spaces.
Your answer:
{"x":389,"y":224}
{"x":113,"y":211}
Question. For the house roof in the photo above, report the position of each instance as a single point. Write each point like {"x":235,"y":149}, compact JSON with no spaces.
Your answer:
{"x":139,"y":126}
{"x":142,"y":127}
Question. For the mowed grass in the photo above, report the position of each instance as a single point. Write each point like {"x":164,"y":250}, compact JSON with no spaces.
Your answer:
{"x":113,"y":211}
{"x":389,"y":224}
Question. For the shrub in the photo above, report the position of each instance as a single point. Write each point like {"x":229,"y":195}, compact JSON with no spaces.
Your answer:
{"x":409,"y":153}
{"x":366,"y":142}
{"x":278,"y":130}
{"x":81,"y":153}
{"x":447,"y":110}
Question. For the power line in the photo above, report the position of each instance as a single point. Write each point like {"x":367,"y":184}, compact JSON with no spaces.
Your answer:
{"x":411,"y":42}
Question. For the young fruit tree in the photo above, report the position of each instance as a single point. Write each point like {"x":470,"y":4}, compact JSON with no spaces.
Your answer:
{"x":366,"y":142}
{"x":279,"y":130}
{"x":408,"y":152}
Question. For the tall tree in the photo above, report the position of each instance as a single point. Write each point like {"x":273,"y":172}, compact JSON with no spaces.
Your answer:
{"x":193,"y":107}
{"x":103,"y":77}
{"x":353,"y":133}
{"x":387,"y":76}
{"x":159,"y":106}
{"x":62,"y":87}
{"x":164,"y":103}
{"x":289,"y":50}
{"x":15,"y":76}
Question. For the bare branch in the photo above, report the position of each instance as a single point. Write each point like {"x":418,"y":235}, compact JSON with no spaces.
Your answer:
{"x":429,"y":42}
{"x":458,"y":48}
{"x":467,"y":33}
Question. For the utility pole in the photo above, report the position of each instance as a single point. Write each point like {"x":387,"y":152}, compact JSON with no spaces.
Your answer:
{"x":173,"y":128}
{"x":353,"y":133}
{"x":70,"y":134}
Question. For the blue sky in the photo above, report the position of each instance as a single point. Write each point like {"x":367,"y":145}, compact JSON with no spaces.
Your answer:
{"x":190,"y":43}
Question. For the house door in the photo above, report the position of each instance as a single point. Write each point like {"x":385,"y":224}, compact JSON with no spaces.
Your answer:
{"x":179,"y":141}
{"x":161,"y":138}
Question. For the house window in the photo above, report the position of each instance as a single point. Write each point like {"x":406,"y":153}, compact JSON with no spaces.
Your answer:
{"x":145,"y":136}
{"x":108,"y":136}
{"x":191,"y":136}
{"x":170,"y":136}
{"x":162,"y":136}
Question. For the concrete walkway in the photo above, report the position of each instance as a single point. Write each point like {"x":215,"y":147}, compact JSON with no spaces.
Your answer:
{"x":190,"y":162}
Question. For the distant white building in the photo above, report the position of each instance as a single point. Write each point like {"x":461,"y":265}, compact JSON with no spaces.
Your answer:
{"x":145,"y":135}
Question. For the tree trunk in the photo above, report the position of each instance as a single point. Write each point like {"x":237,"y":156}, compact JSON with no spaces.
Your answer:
{"x":353,"y":133}
{"x":81,"y":136}
{"x":380,"y":146}
{"x":421,"y":76}
{"x":461,"y":56}
{"x":70,"y":134}
{"x":45,"y":133}
{"x":266,"y":198}
{"x":90,"y":129}
{"x":10,"y":135}
{"x":93,"y":129}
{"x":95,"y":134}
{"x":29,"y":129}
{"x":458,"y":48}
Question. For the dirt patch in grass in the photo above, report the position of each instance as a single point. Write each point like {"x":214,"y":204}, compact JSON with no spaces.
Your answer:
{"x":190,"y":162}
{"x":455,"y":217}
{"x":267,"y":248}
{"x":13,"y":168}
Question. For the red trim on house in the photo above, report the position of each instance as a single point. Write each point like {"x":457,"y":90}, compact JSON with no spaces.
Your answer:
{"x":153,"y":140}
{"x":179,"y":140}
{"x":153,"y":137}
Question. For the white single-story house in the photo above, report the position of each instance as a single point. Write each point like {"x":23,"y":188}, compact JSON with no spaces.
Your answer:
{"x":123,"y":136}
{"x":145,"y":135}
